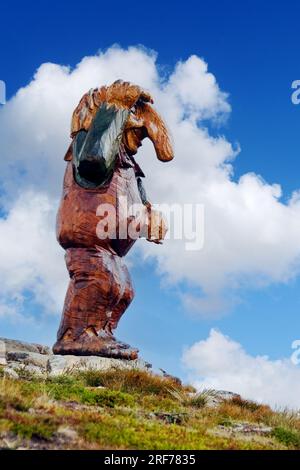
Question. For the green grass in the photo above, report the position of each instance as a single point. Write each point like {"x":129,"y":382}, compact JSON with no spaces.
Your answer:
{"x":288,"y":437}
{"x":43,"y":431}
{"x":84,"y":395}
{"x":121,"y":409}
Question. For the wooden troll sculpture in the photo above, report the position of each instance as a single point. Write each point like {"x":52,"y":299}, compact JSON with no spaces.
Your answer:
{"x":107,"y":128}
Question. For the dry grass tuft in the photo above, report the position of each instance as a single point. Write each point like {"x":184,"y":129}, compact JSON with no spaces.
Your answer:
{"x":129,"y":381}
{"x":197,"y":400}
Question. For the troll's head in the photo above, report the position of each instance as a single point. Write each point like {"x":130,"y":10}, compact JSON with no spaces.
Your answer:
{"x":121,"y":113}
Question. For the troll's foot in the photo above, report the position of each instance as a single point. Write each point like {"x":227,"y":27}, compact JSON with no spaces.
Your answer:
{"x":103,"y":345}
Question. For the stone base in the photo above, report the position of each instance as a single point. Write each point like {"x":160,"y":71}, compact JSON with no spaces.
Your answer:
{"x":39,"y":359}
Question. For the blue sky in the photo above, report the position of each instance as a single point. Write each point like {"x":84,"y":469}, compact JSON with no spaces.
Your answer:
{"x":253,"y":51}
{"x":252,"y":48}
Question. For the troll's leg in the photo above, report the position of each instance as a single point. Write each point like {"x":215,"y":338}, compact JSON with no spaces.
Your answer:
{"x":95,"y":287}
{"x":123,"y":298}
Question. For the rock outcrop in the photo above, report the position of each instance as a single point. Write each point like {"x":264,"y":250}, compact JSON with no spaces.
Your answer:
{"x":39,"y":359}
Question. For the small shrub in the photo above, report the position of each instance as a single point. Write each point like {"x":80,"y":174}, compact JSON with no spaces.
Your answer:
{"x":81,"y":394}
{"x":92,"y":378}
{"x":64,"y":392}
{"x":109,"y":398}
{"x":288,"y":437}
{"x":225,"y":421}
{"x":62,"y":379}
{"x":33,"y":430}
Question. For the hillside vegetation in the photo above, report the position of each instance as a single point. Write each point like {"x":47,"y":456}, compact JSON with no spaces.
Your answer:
{"x":133,"y":409}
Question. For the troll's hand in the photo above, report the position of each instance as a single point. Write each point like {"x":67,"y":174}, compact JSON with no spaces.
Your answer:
{"x":157,"y":226}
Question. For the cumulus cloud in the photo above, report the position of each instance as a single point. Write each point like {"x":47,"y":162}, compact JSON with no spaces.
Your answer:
{"x":250,"y":235}
{"x":31,"y":260}
{"x":221,"y":363}
{"x":202,"y":100}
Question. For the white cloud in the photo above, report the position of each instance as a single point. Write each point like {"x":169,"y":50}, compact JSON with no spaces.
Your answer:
{"x":250,"y":235}
{"x":202,"y":99}
{"x":221,"y":363}
{"x":31,"y":260}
